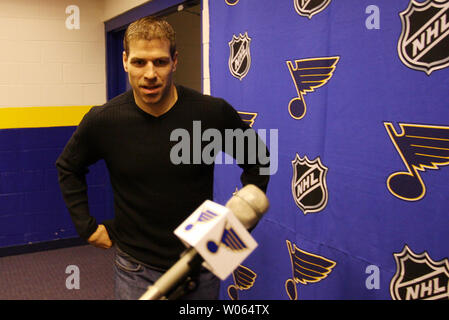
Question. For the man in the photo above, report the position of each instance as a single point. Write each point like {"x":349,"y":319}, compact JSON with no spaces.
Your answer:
{"x":152,"y":195}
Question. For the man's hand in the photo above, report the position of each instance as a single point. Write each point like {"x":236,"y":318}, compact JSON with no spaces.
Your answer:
{"x":100,"y":238}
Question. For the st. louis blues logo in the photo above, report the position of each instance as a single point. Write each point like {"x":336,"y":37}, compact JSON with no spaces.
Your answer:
{"x":308,"y":74}
{"x":244,"y":279}
{"x":309,"y":186}
{"x":424,"y":41}
{"x":205,"y":216}
{"x":248,"y":117}
{"x":418,"y":277}
{"x":309,"y":8}
{"x":230,"y":239}
{"x":239,"y":57}
{"x":421,"y":147}
{"x":306,"y":268}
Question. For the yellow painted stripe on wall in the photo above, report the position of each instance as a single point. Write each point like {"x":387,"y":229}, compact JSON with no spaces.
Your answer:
{"x":40,"y":117}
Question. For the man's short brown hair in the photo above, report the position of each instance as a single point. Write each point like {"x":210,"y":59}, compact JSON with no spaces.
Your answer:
{"x":149,"y":28}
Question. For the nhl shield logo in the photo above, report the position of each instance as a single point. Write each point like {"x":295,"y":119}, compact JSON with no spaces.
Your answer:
{"x":239,"y":58}
{"x":424,"y":41}
{"x":309,"y":186}
{"x":418,"y":277}
{"x":309,"y":8}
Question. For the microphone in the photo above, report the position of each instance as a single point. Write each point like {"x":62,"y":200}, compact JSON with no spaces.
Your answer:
{"x":248,"y":205}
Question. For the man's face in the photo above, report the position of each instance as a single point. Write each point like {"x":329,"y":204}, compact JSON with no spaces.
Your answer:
{"x":150,"y":70}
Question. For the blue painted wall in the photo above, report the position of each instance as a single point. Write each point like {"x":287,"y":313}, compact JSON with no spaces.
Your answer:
{"x":31,"y":206}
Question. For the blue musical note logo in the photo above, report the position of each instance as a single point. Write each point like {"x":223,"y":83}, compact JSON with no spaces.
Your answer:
{"x":205,"y":216}
{"x":248,"y":117}
{"x":229,"y":239}
{"x":421,"y":147}
{"x":307,"y":268}
{"x":309,"y":74}
{"x":244,"y":279}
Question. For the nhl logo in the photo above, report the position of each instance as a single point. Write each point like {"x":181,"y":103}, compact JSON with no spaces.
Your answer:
{"x":309,"y":8}
{"x":418,"y":277}
{"x":309,"y":187}
{"x":239,"y":57}
{"x":424,"y":41}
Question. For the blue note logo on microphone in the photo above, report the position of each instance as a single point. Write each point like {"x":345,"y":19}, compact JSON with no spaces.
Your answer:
{"x":211,"y":227}
{"x":205,"y":216}
{"x":230,"y":239}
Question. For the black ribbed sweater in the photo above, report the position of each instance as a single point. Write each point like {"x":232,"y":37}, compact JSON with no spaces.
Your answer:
{"x":152,"y":196}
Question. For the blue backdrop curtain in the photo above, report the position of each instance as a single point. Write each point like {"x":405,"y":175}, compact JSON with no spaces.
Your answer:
{"x":358,"y":93}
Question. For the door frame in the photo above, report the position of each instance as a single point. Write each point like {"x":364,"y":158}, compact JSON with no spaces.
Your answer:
{"x":116,"y":79}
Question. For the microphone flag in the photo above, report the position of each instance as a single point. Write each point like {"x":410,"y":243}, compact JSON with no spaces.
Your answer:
{"x":218,"y":236}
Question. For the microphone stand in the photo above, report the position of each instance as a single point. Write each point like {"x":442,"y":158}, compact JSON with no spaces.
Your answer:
{"x":176,"y":281}
{"x":189,"y":285}
{"x":250,"y":202}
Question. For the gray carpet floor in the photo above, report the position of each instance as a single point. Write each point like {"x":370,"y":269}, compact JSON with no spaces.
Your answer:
{"x":45,"y":275}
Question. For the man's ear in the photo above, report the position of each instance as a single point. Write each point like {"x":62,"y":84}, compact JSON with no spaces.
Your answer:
{"x":125,"y":60}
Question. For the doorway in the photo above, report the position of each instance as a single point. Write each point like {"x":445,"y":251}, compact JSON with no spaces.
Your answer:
{"x":184,"y":16}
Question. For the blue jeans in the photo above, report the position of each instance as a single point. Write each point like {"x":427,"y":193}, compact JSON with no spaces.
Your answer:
{"x":133,"y":278}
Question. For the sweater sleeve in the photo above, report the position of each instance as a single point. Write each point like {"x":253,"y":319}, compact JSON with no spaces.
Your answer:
{"x":248,"y":149}
{"x":72,"y":165}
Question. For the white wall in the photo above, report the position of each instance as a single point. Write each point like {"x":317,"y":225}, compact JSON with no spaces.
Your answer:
{"x":43,"y":63}
{"x":113,"y":8}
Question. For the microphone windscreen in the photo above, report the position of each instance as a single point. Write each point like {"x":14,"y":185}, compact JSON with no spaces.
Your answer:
{"x":248,"y":205}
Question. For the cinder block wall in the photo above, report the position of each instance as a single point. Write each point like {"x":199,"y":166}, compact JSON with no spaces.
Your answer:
{"x":44,"y":64}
